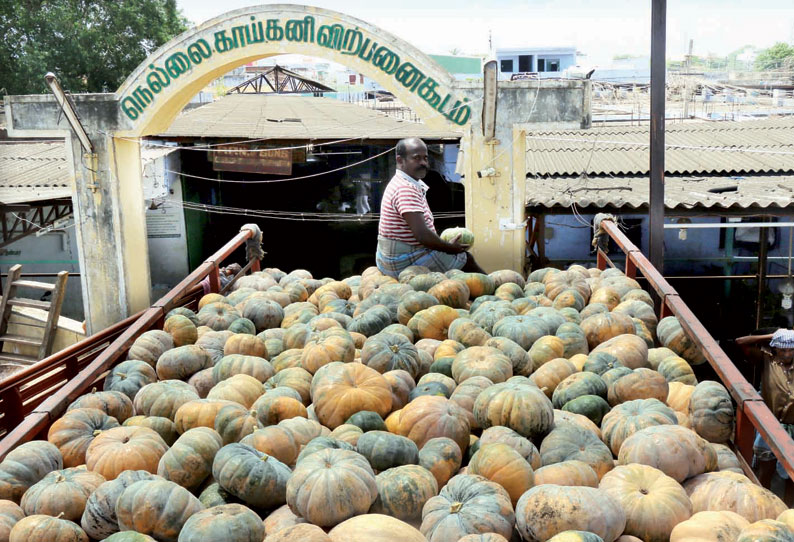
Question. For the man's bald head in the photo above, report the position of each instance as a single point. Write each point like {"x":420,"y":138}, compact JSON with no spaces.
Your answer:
{"x":412,"y":157}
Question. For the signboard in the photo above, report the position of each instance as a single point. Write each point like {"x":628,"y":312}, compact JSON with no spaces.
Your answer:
{"x":244,"y":159}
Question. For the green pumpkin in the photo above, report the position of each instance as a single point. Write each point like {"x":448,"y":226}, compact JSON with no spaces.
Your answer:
{"x":129,"y":536}
{"x":443,"y":366}
{"x":322,"y":443}
{"x":523,"y":330}
{"x":612,"y":375}
{"x":573,"y":339}
{"x":228,"y":522}
{"x":576,"y":385}
{"x":490,"y":313}
{"x":215,"y":495}
{"x":366,"y":420}
{"x":466,"y":236}
{"x":386,"y":352}
{"x":413,"y":302}
{"x":592,"y":406}
{"x":429,"y":388}
{"x":601,"y":362}
{"x":403,"y":492}
{"x":372,"y":321}
{"x":477,"y":303}
{"x":243,"y":325}
{"x":425,"y":281}
{"x":184,"y":311}
{"x":385,"y":450}
{"x":675,"y":369}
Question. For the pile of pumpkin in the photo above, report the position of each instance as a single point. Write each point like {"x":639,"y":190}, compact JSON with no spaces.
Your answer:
{"x":438,"y":407}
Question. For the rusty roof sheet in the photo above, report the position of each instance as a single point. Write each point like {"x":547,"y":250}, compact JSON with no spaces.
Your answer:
{"x":277,"y":117}
{"x":680,"y":193}
{"x":33,"y":171}
{"x":765,"y":146}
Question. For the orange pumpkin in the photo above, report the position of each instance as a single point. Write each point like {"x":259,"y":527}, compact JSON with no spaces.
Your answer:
{"x":275,"y":441}
{"x":43,"y":527}
{"x":339,"y":390}
{"x":271,"y":408}
{"x":629,"y":349}
{"x":181,"y":329}
{"x":601,"y":327}
{"x":433,"y":322}
{"x":125,"y":448}
{"x":442,"y":457}
{"x":502,"y":464}
{"x":639,"y":384}
{"x":709,"y":527}
{"x":452,"y":293}
{"x":466,"y":393}
{"x":198,"y":413}
{"x":481,"y":361}
{"x":401,"y":384}
{"x":546,"y":349}
{"x":567,"y":473}
{"x":549,"y":375}
{"x":76,"y":430}
{"x":246,"y":345}
{"x":327,"y":346}
{"x":61,"y":493}
{"x":240,"y":388}
{"x":626,"y":419}
{"x":428,"y":417}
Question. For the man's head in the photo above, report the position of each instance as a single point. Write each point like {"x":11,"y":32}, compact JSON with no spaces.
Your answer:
{"x":412,"y":157}
{"x":782,"y":344}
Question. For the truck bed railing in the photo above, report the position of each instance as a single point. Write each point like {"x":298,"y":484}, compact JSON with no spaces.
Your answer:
{"x":752,"y":414}
{"x":33,"y":398}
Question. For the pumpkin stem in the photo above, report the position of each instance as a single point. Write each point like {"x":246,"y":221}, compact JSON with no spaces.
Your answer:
{"x":93,"y":390}
{"x":644,"y":491}
{"x":59,"y":477}
{"x":395,"y":348}
{"x":97,"y":432}
{"x":455,"y":508}
{"x":59,"y":516}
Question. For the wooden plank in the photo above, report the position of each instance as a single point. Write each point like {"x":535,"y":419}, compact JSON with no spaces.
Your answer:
{"x":34,"y":284}
{"x":17,"y":358}
{"x":31,"y":303}
{"x":55,"y":312}
{"x":8,"y":293}
{"x":20,"y":339}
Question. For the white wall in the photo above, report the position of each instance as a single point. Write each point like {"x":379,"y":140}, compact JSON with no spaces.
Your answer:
{"x":165,"y":226}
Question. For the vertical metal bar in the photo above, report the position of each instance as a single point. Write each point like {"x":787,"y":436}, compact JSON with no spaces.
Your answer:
{"x":656,"y":204}
{"x":601,"y":261}
{"x":763,"y":237}
{"x":541,"y":239}
{"x":215,"y":278}
{"x":745,"y":434}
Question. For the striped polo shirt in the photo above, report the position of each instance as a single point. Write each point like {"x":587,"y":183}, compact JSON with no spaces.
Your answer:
{"x":403,"y":194}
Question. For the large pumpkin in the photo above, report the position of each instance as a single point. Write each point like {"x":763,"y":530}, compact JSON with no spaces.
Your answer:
{"x":712,"y":413}
{"x":479,"y":284}
{"x":198,"y":413}
{"x":675,"y":450}
{"x":675,"y":369}
{"x":227,"y":522}
{"x":26,"y":465}
{"x":130,"y":376}
{"x":10,"y":514}
{"x":502,"y":464}
{"x":388,"y":352}
{"x":189,"y":461}
{"x":442,"y":457}
{"x":340,"y":390}
{"x":125,"y":448}
{"x":550,"y":374}
{"x":766,"y":530}
{"x":275,"y":441}
{"x":522,"y":329}
{"x":433,"y":322}
{"x":629,"y":349}
{"x":481,"y":361}
{"x":577,"y":385}
{"x":734,"y":492}
{"x":453,"y":293}
{"x":517,"y":404}
{"x":99,"y":518}
{"x":428,"y":417}
{"x":239,"y":388}
{"x":322,"y":348}
{"x":466,"y":393}
{"x":372,"y":528}
{"x":709,"y":527}
{"x":254,"y":366}
{"x":156,"y":507}
{"x":601,"y":327}
{"x":468,"y":333}
{"x":489,"y":313}
{"x":653,"y":502}
{"x":76,"y":430}
{"x":546,"y":349}
{"x":112,"y":403}
{"x":468,"y":504}
{"x":43,"y":527}
{"x":504,"y":435}
{"x":324,"y":474}
{"x":248,"y":474}
{"x":403,"y":492}
{"x":626,"y":419}
{"x":163,"y":398}
{"x":385,"y":450}
{"x":546,"y":510}
{"x":150,"y":346}
{"x":61,"y":493}
{"x":673,"y":336}
{"x":566,"y":280}
{"x":641,"y":383}
{"x":567,"y":441}
{"x":567,"y":473}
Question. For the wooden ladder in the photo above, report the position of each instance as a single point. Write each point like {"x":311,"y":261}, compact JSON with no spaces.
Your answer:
{"x":53,"y":307}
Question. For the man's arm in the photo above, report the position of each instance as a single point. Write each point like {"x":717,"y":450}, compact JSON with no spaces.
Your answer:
{"x":428,"y":238}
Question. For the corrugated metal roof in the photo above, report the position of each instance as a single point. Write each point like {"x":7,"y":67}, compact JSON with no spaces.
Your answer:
{"x":255,"y":116}
{"x":33,"y":171}
{"x":692,"y":149}
{"x":679,"y":192}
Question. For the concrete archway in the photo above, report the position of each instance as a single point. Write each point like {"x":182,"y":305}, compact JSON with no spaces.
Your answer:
{"x":165,"y":82}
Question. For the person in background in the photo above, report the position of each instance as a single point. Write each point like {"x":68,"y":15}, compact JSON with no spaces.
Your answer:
{"x":406,"y":232}
{"x":226,"y":275}
{"x":777,"y":390}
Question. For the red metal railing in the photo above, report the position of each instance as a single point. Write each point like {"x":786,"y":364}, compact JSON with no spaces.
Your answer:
{"x":32,"y":399}
{"x":752,"y":414}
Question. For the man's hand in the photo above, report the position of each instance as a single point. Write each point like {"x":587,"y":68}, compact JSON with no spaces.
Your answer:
{"x":455,"y":242}
{"x":429,"y":238}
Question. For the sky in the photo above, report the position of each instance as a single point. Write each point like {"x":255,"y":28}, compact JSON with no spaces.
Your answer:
{"x":600,"y":29}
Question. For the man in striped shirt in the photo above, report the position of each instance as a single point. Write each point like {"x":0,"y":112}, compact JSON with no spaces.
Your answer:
{"x":406,"y":233}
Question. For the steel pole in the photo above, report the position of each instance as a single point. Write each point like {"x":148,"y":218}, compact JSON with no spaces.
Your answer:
{"x":656,"y":204}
